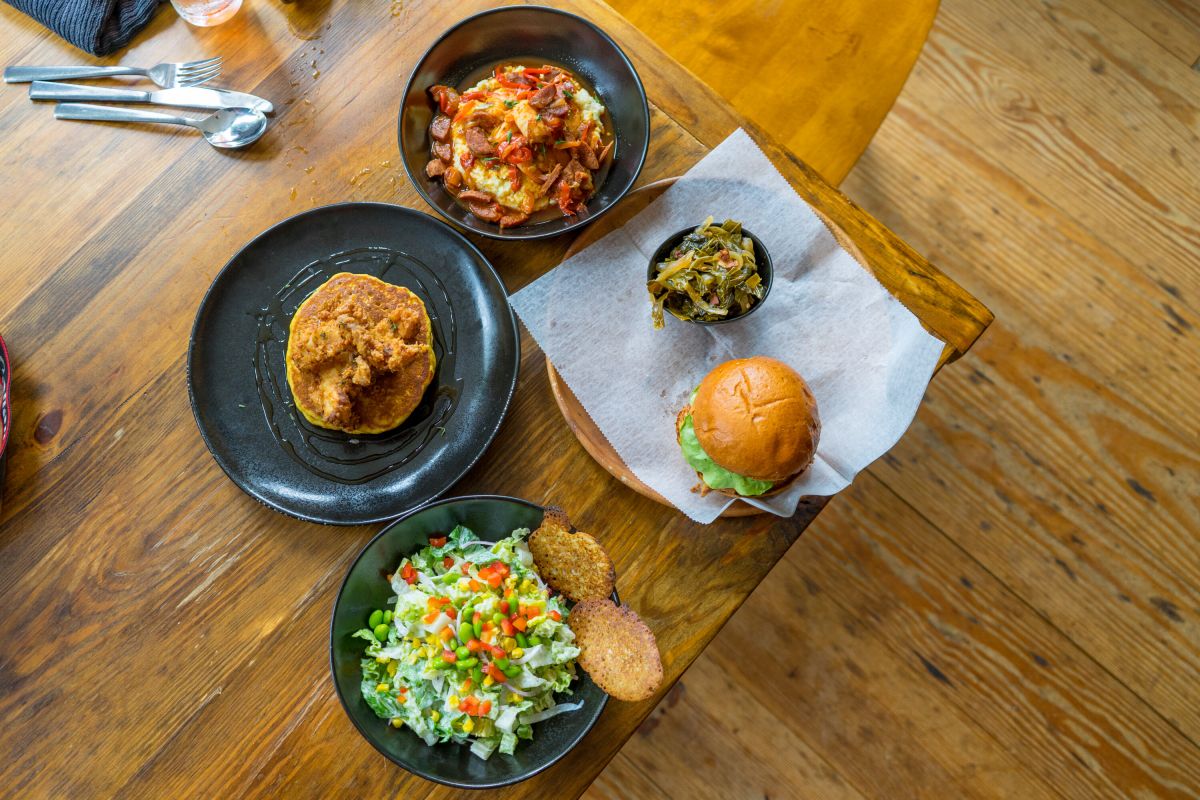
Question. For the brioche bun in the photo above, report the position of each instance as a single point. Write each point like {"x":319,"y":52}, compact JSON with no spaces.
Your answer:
{"x":756,"y":417}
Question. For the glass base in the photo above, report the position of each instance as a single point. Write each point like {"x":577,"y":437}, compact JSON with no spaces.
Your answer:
{"x":206,"y":13}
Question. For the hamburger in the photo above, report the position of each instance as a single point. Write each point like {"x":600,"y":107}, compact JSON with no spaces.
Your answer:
{"x":751,"y":428}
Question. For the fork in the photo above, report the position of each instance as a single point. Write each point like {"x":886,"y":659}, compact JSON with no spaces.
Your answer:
{"x":168,"y":76}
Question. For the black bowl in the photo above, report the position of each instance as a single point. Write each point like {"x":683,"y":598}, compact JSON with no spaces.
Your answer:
{"x":532,"y":33}
{"x":366,"y":589}
{"x":761,"y":257}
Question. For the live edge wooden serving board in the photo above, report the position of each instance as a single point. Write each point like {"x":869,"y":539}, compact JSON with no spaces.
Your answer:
{"x":164,"y":634}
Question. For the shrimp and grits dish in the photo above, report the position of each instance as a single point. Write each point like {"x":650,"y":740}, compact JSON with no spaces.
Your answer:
{"x":524,"y":141}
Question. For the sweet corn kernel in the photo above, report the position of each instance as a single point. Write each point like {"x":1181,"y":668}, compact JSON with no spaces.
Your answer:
{"x":382,"y":659}
{"x":435,"y":715}
{"x":463,"y":584}
{"x":509,"y":643}
{"x":526,"y":585}
{"x":431,"y":640}
{"x":517,"y":652}
{"x":397,"y":722}
{"x":383,"y":687}
{"x":487,"y":680}
{"x":412,"y":659}
{"x":452,"y":701}
{"x":468,"y":725}
{"x":392,"y":667}
{"x":510,"y":581}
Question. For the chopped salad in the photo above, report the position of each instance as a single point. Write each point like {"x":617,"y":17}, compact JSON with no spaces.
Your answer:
{"x":473,"y":647}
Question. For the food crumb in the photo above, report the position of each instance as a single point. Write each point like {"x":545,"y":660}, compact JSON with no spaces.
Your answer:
{"x":293,"y":192}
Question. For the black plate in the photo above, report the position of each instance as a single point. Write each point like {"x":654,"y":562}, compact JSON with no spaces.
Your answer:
{"x":239,"y":392}
{"x":537,"y":34}
{"x":366,"y":589}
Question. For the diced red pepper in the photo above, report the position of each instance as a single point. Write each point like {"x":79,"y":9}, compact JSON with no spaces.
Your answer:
{"x":475,"y":585}
{"x":537,"y":70}
{"x":497,"y":675}
{"x":437,"y":541}
{"x":495,"y":580}
{"x":431,"y":616}
{"x":474,"y":645}
{"x":449,"y":656}
{"x":497,"y":652}
{"x":451,"y":612}
{"x":520,"y":623}
{"x":447,"y":633}
{"x":504,"y":607}
{"x":514,"y":183}
{"x":466,"y":565}
{"x":408,"y":573}
{"x":476,"y":617}
{"x":474,"y":94}
{"x":447,"y":562}
{"x":485,"y":708}
{"x":507,"y":627}
{"x":467,"y":160}
{"x":554,"y":615}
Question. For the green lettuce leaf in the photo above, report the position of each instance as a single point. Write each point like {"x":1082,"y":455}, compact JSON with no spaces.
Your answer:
{"x":717,"y":477}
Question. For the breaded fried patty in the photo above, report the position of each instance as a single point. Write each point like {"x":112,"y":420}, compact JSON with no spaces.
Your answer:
{"x":359,"y":354}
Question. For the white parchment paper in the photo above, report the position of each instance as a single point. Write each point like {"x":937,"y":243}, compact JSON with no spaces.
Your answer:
{"x":865,"y":356}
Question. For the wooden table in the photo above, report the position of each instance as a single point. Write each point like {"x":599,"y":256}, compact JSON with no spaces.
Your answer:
{"x":163,"y":633}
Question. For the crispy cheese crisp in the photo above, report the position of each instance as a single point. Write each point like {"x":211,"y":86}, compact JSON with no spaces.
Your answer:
{"x":616,"y":649}
{"x":573,"y":563}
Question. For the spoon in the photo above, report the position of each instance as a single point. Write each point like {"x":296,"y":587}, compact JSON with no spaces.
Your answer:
{"x":227,"y":128}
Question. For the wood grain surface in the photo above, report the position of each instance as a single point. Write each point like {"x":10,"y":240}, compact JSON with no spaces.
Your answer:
{"x":164,"y":634}
{"x":1006,"y":606}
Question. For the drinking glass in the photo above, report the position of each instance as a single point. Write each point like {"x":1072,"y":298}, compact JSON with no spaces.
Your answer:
{"x":206,"y":13}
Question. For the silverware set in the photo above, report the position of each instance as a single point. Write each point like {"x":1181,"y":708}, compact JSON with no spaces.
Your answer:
{"x":239,"y":119}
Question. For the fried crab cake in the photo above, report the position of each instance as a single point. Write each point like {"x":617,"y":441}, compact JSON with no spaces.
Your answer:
{"x":359,"y":354}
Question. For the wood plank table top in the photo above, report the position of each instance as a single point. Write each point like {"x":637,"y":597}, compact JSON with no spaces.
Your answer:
{"x":166,"y":634}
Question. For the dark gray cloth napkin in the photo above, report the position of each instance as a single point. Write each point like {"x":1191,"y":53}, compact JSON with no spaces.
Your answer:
{"x":97,"y":26}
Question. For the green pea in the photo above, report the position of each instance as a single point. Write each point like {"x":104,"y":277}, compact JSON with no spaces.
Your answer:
{"x":513,"y":671}
{"x":440,"y":663}
{"x":478,"y":628}
{"x":534,"y":641}
{"x":502,"y":663}
{"x":462,"y":652}
{"x":497,"y":617}
{"x":388,"y":616}
{"x":467,"y":612}
{"x":375,"y":618}
{"x":466,"y":664}
{"x":466,"y":632}
{"x":381,"y":630}
{"x":477,"y":674}
{"x":522,"y":640}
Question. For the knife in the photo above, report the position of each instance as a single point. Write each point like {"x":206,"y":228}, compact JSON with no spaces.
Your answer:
{"x":192,"y":97}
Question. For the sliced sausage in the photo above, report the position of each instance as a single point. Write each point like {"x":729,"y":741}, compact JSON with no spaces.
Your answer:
{"x":443,"y":151}
{"x":558,"y":108}
{"x":439,"y":129}
{"x":543,"y":96}
{"x":481,"y":197}
{"x":482,"y":119}
{"x":513,"y":219}
{"x":588,"y":156}
{"x":487,"y":213}
{"x":477,"y":142}
{"x":436,"y":168}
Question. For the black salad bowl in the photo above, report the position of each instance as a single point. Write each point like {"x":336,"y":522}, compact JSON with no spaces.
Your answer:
{"x":366,"y":588}
{"x":530,"y":34}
